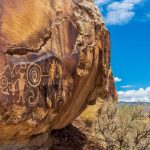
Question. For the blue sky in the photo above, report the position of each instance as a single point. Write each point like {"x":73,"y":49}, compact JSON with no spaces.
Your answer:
{"x":129,"y":24}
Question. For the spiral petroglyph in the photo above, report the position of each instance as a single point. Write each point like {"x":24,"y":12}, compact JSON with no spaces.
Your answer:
{"x":3,"y":82}
{"x":34,"y":75}
{"x":31,"y":96}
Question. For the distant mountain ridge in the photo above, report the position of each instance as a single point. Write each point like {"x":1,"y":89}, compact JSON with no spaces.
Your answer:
{"x":146,"y":105}
{"x":134,"y":103}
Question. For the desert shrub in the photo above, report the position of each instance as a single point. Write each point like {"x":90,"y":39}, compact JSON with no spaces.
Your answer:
{"x":124,"y":128}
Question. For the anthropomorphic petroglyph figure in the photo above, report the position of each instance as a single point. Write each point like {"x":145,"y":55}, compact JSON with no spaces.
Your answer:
{"x":21,"y":83}
{"x":52,"y":72}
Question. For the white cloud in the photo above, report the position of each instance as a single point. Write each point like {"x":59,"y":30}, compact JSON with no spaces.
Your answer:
{"x":140,"y":95}
{"x":117,"y":79}
{"x":126,"y":86}
{"x":121,"y":12}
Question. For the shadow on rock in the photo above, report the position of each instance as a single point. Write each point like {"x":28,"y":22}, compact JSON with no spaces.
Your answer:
{"x":69,"y":138}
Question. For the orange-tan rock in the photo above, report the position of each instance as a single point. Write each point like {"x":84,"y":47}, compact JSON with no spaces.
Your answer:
{"x":55,"y":60}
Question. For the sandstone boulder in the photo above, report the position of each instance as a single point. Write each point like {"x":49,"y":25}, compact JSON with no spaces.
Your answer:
{"x":55,"y":60}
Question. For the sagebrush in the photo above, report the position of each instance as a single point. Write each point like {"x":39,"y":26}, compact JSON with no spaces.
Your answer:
{"x":121,"y":128}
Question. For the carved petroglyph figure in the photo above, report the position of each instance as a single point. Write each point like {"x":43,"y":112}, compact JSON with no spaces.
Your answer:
{"x":12,"y":87}
{"x":52,"y":72}
{"x":21,"y":82}
{"x":3,"y":85}
{"x":34,"y":75}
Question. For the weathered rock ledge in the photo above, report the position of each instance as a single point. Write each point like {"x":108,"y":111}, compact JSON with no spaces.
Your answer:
{"x":55,"y":60}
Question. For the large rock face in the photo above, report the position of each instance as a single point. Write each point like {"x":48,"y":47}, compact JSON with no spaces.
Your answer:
{"x":55,"y":60}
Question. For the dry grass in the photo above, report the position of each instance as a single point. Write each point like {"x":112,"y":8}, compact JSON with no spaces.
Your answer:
{"x":91,"y":112}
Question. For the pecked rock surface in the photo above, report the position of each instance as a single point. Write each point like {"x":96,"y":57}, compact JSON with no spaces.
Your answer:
{"x":55,"y":60}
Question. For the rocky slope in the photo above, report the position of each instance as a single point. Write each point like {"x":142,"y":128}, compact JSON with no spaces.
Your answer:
{"x":55,"y":60}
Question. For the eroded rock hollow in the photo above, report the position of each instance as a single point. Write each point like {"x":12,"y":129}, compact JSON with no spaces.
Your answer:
{"x":55,"y":60}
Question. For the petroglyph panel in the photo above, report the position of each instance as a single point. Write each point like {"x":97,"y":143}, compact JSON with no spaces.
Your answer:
{"x":54,"y":61}
{"x":33,"y":82}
